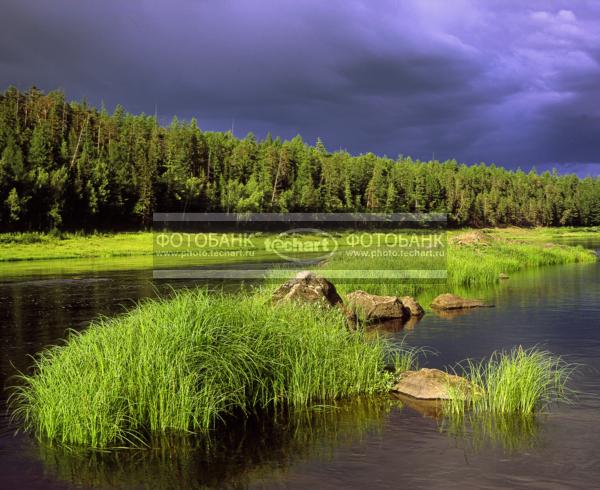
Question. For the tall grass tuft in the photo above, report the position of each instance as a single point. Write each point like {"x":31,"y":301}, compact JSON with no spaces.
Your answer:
{"x":189,"y":363}
{"x":521,"y":382}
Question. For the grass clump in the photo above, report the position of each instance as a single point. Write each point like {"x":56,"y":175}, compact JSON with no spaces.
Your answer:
{"x":517,"y":382}
{"x":191,"y":362}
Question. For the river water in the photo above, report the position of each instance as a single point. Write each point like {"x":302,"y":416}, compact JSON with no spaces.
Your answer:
{"x":361,"y":444}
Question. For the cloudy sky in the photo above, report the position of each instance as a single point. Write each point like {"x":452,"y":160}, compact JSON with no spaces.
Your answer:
{"x":511,"y":82}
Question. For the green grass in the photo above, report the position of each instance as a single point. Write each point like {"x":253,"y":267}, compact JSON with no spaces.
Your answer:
{"x":41,"y":246}
{"x":482,"y":265}
{"x":510,"y":389}
{"x":518,"y":382}
{"x":516,"y":249}
{"x":192,"y":362}
{"x":467,"y":266}
{"x":546,"y":233}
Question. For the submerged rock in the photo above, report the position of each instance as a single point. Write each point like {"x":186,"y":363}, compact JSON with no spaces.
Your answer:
{"x":433,"y":384}
{"x":307,"y":287}
{"x":503,"y":275}
{"x":413,"y":308}
{"x":452,"y":302}
{"x":370,"y":307}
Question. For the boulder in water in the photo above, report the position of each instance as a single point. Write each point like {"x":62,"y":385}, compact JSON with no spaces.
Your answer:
{"x":453,"y":302}
{"x":370,"y":307}
{"x":433,"y":384}
{"x":413,"y":308}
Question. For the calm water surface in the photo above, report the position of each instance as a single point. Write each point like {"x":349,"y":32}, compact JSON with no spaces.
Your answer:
{"x":362,"y":444}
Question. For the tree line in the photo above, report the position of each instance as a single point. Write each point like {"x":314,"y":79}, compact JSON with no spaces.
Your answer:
{"x":68,"y":165}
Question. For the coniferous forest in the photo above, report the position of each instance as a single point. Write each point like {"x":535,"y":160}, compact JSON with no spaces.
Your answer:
{"x":67,"y":165}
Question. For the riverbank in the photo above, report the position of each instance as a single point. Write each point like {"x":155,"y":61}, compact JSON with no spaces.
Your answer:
{"x":471,"y":258}
{"x":42,"y":246}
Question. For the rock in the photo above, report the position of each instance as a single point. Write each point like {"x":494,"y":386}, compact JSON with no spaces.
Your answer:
{"x":452,"y":302}
{"x":370,"y":307}
{"x":307,"y":287}
{"x":433,"y":384}
{"x":503,"y":275}
{"x":412,"y":307}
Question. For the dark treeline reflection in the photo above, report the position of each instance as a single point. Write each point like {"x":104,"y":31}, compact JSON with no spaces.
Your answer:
{"x":66,"y":165}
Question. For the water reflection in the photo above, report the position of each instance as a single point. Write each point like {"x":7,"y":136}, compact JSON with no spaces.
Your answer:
{"x":394,"y":325}
{"x":264,"y":448}
{"x":477,"y":432}
{"x":259,"y":448}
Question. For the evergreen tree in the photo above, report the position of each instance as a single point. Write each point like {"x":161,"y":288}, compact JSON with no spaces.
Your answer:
{"x":69,"y":166}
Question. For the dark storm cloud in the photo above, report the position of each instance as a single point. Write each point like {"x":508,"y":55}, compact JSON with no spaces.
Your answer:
{"x":514,"y":83}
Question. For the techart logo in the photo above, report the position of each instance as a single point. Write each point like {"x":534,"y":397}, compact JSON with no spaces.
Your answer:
{"x":300,"y":244}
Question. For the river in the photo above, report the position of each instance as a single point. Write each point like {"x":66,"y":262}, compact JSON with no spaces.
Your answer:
{"x":360,"y":444}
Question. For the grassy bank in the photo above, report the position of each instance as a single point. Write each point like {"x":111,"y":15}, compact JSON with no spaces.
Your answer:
{"x":41,"y":246}
{"x":466,"y":265}
{"x":190,"y":363}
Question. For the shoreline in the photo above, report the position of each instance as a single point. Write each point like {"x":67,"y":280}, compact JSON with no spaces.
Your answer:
{"x":30,"y":247}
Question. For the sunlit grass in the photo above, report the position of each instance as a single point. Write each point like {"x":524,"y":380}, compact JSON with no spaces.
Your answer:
{"x":43,"y":246}
{"x":520,"y":381}
{"x":483,"y":265}
{"x":466,"y":266}
{"x":187,"y":363}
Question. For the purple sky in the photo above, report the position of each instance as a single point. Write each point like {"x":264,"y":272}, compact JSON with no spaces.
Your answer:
{"x":511,"y":82}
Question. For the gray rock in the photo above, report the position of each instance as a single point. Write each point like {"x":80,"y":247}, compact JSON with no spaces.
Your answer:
{"x":307,"y":287}
{"x":410,"y":304}
{"x":370,"y":307}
